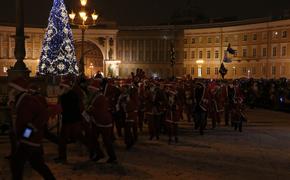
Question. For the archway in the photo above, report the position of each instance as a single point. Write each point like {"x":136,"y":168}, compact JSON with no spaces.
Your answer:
{"x":93,"y":57}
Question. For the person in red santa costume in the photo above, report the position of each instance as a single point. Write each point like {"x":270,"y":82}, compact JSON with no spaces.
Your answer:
{"x":28,"y":127}
{"x":131,"y":110}
{"x":103,"y":122}
{"x":173,"y":115}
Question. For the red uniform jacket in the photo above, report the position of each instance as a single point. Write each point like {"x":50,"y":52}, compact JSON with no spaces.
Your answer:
{"x":100,"y":111}
{"x":30,"y":113}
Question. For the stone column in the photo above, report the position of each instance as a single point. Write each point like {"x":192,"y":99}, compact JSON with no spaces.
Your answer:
{"x":19,"y":68}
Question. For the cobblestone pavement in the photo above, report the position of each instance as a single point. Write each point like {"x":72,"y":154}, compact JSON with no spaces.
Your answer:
{"x":261,"y":151}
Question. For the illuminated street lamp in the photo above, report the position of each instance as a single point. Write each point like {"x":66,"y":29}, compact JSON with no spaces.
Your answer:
{"x":83,"y":21}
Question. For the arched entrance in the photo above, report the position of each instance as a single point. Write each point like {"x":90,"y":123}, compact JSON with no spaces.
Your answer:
{"x":93,"y":57}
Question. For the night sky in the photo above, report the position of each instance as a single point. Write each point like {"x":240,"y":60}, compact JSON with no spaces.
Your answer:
{"x":147,"y":12}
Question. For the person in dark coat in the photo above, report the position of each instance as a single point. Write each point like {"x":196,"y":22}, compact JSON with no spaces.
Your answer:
{"x":29,"y":126}
{"x":72,"y":126}
{"x":201,"y":107}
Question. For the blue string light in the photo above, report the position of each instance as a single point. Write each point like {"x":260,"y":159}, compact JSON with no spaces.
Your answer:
{"x":58,"y":53}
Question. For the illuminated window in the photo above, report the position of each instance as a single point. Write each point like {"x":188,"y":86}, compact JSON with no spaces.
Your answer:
{"x":5,"y":69}
{"x":199,"y":71}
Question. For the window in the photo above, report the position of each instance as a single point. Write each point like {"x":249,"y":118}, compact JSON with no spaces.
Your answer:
{"x":284,"y":51}
{"x":273,"y":70}
{"x":192,"y":71}
{"x":193,"y":40}
{"x":244,"y":52}
{"x":185,"y":41}
{"x":274,"y":53}
{"x":217,"y":39}
{"x":193,"y":54}
{"x":200,"y":55}
{"x":216,"y":54}
{"x":284,"y":34}
{"x":199,"y":72}
{"x":208,"y":71}
{"x":255,"y":37}
{"x":208,"y":54}
{"x":216,"y":70}
{"x":208,"y":40}
{"x":264,"y":52}
{"x":254,"y":52}
{"x":185,"y":55}
{"x":5,"y":69}
{"x":245,"y":38}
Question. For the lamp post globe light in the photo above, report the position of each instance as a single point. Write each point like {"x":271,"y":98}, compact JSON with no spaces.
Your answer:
{"x":83,"y":21}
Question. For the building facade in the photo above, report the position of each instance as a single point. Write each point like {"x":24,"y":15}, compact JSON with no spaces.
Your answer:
{"x":262,"y":49}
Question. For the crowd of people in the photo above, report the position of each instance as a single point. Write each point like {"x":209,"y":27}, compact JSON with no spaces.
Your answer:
{"x":119,"y":108}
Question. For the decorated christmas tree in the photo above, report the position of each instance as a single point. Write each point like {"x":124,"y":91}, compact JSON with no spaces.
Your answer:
{"x":58,"y":53}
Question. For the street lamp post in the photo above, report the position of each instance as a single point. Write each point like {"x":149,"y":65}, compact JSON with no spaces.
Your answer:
{"x":19,"y":68}
{"x":83,"y":21}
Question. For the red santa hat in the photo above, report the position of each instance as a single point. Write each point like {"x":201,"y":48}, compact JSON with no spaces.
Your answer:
{"x":95,"y":85}
{"x":20,"y":84}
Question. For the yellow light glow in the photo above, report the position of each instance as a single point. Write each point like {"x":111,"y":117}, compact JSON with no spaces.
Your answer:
{"x":83,"y":2}
{"x":200,"y":61}
{"x":72,"y":15}
{"x":82,"y":14}
{"x":85,"y":18}
{"x":95,"y":16}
